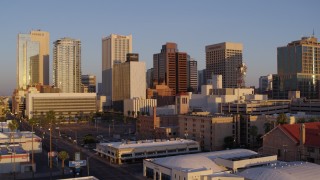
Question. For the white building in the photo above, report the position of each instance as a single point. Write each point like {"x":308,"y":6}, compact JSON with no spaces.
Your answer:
{"x":63,"y":104}
{"x":67,"y":65}
{"x":138,"y":105}
{"x":24,"y":139}
{"x":129,"y":81}
{"x":14,"y":153}
{"x":114,"y":50}
{"x":210,"y":98}
{"x":119,"y":152}
{"x":208,"y":166}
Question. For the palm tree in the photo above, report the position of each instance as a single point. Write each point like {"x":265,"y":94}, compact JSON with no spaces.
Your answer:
{"x":32,"y":122}
{"x":50,"y":120}
{"x":282,"y":119}
{"x":63,"y":155}
{"x":13,"y":126}
{"x":60,"y":117}
{"x":69,"y":113}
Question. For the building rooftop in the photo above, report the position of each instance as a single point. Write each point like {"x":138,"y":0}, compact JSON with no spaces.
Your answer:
{"x":283,"y":171}
{"x":6,"y":150}
{"x":201,"y":161}
{"x":148,"y":143}
{"x":312,"y":131}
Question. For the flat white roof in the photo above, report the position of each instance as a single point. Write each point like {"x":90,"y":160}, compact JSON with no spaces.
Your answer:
{"x":283,"y":171}
{"x":201,"y":161}
{"x":65,"y":95}
{"x":148,"y":143}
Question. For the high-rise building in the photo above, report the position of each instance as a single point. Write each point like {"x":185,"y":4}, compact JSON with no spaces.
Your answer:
{"x":149,"y":77}
{"x":33,"y":59}
{"x":202,"y":80}
{"x":298,"y":66}
{"x":114,"y":50}
{"x":90,"y":82}
{"x":192,"y":73}
{"x":129,"y":81}
{"x":170,"y":66}
{"x":224,"y":59}
{"x":265,"y":83}
{"x":67,"y":65}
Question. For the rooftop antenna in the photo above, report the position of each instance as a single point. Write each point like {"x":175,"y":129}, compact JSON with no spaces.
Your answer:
{"x":313,"y":32}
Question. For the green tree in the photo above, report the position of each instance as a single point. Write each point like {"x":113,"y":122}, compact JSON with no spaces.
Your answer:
{"x":282,"y":119}
{"x":138,"y":113}
{"x":267,"y":127}
{"x":312,"y":119}
{"x":63,"y":155}
{"x":301,"y":120}
{"x":132,"y":112}
{"x":13,"y":126}
{"x":253,"y":131}
{"x":129,"y":112}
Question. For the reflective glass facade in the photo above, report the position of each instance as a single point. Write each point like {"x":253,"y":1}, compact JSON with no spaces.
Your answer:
{"x":298,"y":69}
{"x":27,"y":58}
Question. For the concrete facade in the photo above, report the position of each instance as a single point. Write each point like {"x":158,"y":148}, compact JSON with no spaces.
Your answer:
{"x":119,"y":152}
{"x":63,"y":104}
{"x":114,"y":50}
{"x":138,"y":105}
{"x":67,"y":65}
{"x":223,"y":59}
{"x":209,"y":131}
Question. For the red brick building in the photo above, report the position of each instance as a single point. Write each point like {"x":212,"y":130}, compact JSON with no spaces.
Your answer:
{"x":292,"y":142}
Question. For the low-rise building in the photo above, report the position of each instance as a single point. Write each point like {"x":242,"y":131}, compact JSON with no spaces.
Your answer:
{"x":294,"y":142}
{"x":138,"y":106}
{"x":14,"y":153}
{"x":24,"y":139}
{"x":63,"y":104}
{"x":119,"y":152}
{"x":208,"y":166}
{"x":209,"y":131}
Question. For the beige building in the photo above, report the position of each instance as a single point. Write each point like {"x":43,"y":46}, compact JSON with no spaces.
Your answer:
{"x":224,"y":59}
{"x":209,"y":131}
{"x":33,"y":59}
{"x":114,"y":50}
{"x":182,"y":103}
{"x":67,"y":65}
{"x":128,"y":151}
{"x":63,"y":104}
{"x":128,"y":82}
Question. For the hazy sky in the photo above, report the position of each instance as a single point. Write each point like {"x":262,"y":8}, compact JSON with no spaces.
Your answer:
{"x":261,"y":26}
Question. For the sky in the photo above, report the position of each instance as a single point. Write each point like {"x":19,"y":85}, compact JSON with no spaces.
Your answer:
{"x":261,"y":26}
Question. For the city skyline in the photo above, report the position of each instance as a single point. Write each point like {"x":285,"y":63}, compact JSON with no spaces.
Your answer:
{"x":260,"y":26}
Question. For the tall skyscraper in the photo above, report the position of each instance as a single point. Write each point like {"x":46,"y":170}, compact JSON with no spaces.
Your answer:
{"x":129,"y":81}
{"x":114,"y":50}
{"x":67,"y":65}
{"x":192,"y":72}
{"x":224,"y":59}
{"x":33,"y":59}
{"x":202,"y":80}
{"x":170,"y":66}
{"x":265,"y":83}
{"x":298,"y":66}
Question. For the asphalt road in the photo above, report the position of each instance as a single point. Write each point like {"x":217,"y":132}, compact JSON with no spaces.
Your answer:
{"x":99,"y":167}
